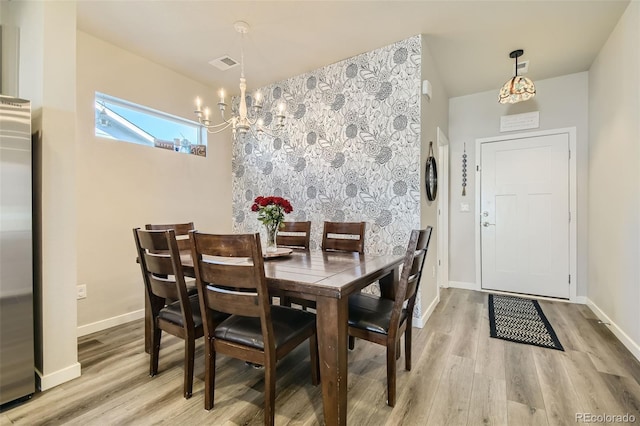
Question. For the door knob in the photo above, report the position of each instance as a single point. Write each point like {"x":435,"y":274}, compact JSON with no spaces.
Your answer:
{"x":485,"y":224}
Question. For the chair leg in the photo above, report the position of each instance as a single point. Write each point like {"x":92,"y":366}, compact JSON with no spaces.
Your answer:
{"x":209,"y":374}
{"x":391,"y":375}
{"x":352,"y":343}
{"x":189,"y":353}
{"x":156,"y":335}
{"x":315,"y":364}
{"x":407,"y":348}
{"x":269,"y":392}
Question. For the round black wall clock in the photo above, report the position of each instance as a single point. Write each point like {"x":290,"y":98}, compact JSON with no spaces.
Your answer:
{"x":431,"y":175}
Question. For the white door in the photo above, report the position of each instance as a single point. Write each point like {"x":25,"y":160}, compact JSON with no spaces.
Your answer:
{"x":524,"y":215}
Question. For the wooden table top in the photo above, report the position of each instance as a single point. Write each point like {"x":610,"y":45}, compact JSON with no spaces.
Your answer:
{"x":318,"y":273}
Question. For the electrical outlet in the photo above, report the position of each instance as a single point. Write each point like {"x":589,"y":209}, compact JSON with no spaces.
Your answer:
{"x":82,"y":291}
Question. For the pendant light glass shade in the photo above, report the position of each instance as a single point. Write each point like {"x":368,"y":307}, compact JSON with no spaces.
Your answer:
{"x":518,"y":88}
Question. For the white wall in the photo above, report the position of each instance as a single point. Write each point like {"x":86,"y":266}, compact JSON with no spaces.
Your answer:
{"x":614,"y":180}
{"x":123,"y":185}
{"x":434,"y":113}
{"x":562,"y":102}
{"x":47,"y":78}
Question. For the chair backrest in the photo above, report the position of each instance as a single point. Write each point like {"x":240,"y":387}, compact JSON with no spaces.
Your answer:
{"x":343,"y":236}
{"x":294,"y":234}
{"x":159,"y":258}
{"x":181,"y":229}
{"x":411,"y":273}
{"x":230,"y":277}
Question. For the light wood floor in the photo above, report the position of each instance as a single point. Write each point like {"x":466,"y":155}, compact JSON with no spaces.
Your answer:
{"x":461,"y":376}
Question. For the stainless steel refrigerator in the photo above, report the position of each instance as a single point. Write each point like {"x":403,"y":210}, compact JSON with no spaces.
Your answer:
{"x":17,"y":374}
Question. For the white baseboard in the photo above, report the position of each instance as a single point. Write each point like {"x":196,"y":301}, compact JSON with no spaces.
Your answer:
{"x":420,"y":322}
{"x":56,"y":378}
{"x":627,"y":341}
{"x":83,"y":330}
{"x":464,"y":285}
{"x":582,"y":300}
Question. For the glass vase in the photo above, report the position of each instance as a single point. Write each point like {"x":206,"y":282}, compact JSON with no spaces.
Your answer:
{"x":272,"y":234}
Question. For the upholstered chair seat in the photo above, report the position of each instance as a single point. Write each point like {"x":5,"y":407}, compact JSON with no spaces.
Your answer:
{"x":173,"y":312}
{"x":288,"y":324}
{"x":372,"y":313}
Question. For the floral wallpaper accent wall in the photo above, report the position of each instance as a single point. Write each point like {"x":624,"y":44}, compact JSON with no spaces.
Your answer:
{"x":350,"y":150}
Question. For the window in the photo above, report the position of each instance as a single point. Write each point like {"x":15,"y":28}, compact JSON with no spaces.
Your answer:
{"x":125,"y":121}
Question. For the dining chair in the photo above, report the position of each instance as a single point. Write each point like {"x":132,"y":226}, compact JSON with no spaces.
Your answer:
{"x":159,"y":259}
{"x":230,"y":277}
{"x":294,"y":235}
{"x":343,"y":236}
{"x":181,"y":230}
{"x":182,"y":237}
{"x":383,"y":321}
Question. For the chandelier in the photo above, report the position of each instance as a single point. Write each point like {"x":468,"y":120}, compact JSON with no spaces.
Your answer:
{"x":243,"y":120}
{"x":518,"y":88}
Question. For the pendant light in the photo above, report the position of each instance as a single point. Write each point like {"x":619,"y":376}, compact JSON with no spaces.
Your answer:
{"x":518,"y":88}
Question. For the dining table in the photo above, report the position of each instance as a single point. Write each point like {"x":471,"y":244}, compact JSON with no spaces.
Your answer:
{"x":328,"y":278}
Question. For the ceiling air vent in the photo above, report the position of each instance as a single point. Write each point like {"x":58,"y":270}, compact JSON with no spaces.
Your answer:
{"x":523,"y":68}
{"x":224,"y":63}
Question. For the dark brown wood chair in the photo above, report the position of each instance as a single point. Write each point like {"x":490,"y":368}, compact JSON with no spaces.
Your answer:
{"x":383,"y":321}
{"x":294,"y":235}
{"x":159,"y":259}
{"x":343,"y":236}
{"x":181,"y":230}
{"x":233,"y":282}
{"x":297,"y":236}
{"x":182,"y":237}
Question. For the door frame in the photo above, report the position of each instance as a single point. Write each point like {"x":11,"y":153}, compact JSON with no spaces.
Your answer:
{"x":442,"y":265}
{"x":573,"y":245}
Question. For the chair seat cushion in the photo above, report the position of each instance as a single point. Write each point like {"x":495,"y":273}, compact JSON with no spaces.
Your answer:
{"x":371,"y":313}
{"x":287,"y":323}
{"x":173,"y":313}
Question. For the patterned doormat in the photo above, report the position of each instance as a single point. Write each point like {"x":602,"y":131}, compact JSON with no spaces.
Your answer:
{"x":521,"y":320}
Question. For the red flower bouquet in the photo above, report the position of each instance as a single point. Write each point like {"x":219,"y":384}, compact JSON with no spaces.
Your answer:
{"x":271,"y":211}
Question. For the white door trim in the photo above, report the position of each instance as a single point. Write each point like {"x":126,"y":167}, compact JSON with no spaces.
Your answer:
{"x":443,"y":210}
{"x":573,"y":230}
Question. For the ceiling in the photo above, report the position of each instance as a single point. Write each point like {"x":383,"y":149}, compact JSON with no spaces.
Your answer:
{"x":469,"y":41}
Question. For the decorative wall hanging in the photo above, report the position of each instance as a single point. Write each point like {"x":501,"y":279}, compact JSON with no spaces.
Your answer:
{"x":431,"y":175}
{"x":464,"y":170}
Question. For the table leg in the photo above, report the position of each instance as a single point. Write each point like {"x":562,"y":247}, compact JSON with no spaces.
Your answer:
{"x":332,"y":346}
